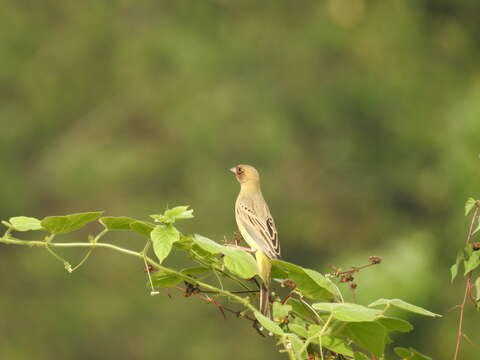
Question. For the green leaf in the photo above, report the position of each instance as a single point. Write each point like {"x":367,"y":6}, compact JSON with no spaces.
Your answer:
{"x":312,"y":284}
{"x":24,"y":223}
{"x":332,"y":343}
{"x":236,"y":261}
{"x":453,"y":272}
{"x":163,"y":237}
{"x":280,"y":311}
{"x":142,"y":227}
{"x":185,"y":243}
{"x":268,"y":324}
{"x":348,"y":312}
{"x":337,"y":345}
{"x":404,"y":305}
{"x":395,"y":324}
{"x":322,"y":281}
{"x":165,"y":280}
{"x":314,"y":330}
{"x":69,"y":223}
{"x":410,"y":354}
{"x":301,"y":309}
{"x":171,"y":215}
{"x":360,"y":356}
{"x":370,"y":336}
{"x":117,"y":223}
{"x":472,"y":262}
{"x":469,"y":205}
{"x":454,"y":268}
{"x":298,"y":329}
{"x":240,"y":263}
{"x":208,"y":245}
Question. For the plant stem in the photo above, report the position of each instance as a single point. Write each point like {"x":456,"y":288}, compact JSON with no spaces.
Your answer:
{"x":7,"y":239}
{"x":460,"y":322}
{"x":467,"y":290}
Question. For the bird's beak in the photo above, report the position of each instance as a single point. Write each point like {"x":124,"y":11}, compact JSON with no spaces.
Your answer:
{"x":233,"y":169}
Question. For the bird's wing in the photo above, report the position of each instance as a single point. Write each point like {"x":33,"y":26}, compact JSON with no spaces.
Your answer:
{"x":261,"y":229}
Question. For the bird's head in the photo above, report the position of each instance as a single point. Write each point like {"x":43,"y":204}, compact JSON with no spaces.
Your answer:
{"x":245,"y":173}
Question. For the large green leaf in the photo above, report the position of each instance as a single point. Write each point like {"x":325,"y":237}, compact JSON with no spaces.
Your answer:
{"x":322,"y":281}
{"x":348,"y":312}
{"x":185,"y":243}
{"x":142,"y":227}
{"x":332,"y":343}
{"x":240,"y":263}
{"x":171,"y":215}
{"x":237,"y":261}
{"x":299,"y":330}
{"x":410,"y":354}
{"x":311,"y":283}
{"x":24,"y":223}
{"x":208,"y":245}
{"x":472,"y":262}
{"x":336,"y":344}
{"x":404,"y":305}
{"x":116,"y":222}
{"x":301,"y":309}
{"x":69,"y":223}
{"x":163,"y":237}
{"x":370,"y":336}
{"x":395,"y":324}
{"x":268,"y":324}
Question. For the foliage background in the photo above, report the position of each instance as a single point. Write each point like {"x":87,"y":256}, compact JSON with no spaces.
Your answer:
{"x":362,"y":116}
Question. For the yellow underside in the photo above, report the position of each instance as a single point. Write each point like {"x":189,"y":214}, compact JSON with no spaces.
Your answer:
{"x":263,"y":262}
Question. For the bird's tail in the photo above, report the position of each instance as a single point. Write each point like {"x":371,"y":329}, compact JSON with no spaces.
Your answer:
{"x":265,"y":300}
{"x":264,"y":267}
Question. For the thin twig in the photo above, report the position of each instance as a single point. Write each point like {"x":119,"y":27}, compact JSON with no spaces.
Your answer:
{"x":352,"y":270}
{"x":216,"y":303}
{"x":244,"y":301}
{"x":468,"y":286}
{"x":460,"y":322}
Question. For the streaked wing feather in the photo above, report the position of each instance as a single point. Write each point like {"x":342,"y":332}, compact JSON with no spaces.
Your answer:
{"x":263,"y":232}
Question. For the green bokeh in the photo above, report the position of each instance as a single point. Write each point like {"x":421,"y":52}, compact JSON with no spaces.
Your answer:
{"x":362,"y":117}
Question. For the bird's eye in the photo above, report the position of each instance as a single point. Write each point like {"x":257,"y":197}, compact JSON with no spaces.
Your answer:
{"x":239,"y":170}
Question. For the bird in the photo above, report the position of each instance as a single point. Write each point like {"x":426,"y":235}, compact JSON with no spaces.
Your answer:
{"x":257,"y":227}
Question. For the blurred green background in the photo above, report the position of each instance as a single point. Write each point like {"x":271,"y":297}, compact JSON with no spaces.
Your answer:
{"x":362,"y":116}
